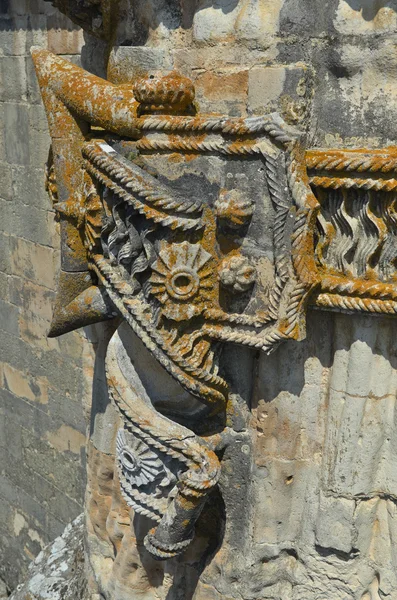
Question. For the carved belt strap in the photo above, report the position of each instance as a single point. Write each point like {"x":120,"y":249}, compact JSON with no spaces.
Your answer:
{"x":157,"y":459}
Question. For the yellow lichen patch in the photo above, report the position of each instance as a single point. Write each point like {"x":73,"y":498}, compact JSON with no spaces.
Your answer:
{"x":23,"y":385}
{"x":19,"y":523}
{"x":66,"y":439}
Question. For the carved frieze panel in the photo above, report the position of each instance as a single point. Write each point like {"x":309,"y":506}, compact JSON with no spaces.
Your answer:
{"x":355,"y":243}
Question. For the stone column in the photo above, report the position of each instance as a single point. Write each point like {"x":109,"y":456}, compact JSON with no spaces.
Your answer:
{"x":229,"y":193}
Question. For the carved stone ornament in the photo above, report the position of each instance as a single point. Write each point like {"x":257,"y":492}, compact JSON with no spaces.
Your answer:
{"x":196,"y":230}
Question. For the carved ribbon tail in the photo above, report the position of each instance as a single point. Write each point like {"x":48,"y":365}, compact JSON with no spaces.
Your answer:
{"x":196,"y":465}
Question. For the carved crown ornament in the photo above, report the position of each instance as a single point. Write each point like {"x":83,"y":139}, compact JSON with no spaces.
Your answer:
{"x":198,"y":230}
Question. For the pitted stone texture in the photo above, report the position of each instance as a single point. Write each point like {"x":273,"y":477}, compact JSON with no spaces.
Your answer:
{"x":324,"y":451}
{"x":58,"y":572}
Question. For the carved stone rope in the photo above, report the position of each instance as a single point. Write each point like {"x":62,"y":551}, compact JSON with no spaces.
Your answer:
{"x":176,"y":522}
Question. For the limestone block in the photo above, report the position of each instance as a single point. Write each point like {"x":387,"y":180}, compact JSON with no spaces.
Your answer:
{"x":42,"y":459}
{"x":2,"y":133}
{"x":24,"y":386}
{"x":127,"y":64}
{"x":39,"y":144}
{"x":13,"y":439}
{"x":214,"y":21}
{"x":27,"y":503}
{"x":9,"y":317}
{"x":32,"y":86}
{"x":4,"y":286}
{"x":33,"y":195}
{"x":14,"y":78}
{"x":16,"y":129}
{"x":32,"y":261}
{"x":31,"y":297}
{"x":63,"y":38}
{"x":287,"y":87}
{"x":36,"y":229}
{"x":6,"y":191}
{"x":222,"y":90}
{"x":5,"y":253}
{"x":6,"y":517}
{"x":258,"y":20}
{"x":34,"y":329}
{"x":20,"y":32}
{"x":71,"y":415}
{"x":66,"y":438}
{"x":190,"y":61}
{"x":14,"y":35}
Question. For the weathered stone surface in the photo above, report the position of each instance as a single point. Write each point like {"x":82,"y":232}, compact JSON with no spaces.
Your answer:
{"x":58,"y":572}
{"x":271,"y":477}
{"x":39,"y":494}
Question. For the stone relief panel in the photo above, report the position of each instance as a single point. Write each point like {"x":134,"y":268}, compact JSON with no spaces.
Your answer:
{"x":355,"y":240}
{"x":191,"y":234}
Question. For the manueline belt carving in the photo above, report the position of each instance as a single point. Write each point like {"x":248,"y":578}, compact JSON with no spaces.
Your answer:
{"x":184,"y":270}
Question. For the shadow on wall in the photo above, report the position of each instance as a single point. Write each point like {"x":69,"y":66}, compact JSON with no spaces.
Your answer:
{"x":329,"y":336}
{"x":171,"y":14}
{"x":225,"y":6}
{"x":370,"y":8}
{"x":190,"y":8}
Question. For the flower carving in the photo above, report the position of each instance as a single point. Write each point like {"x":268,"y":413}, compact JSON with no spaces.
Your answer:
{"x":237,"y":274}
{"x":232,"y":208}
{"x":137,"y":462}
{"x":182,"y":280}
{"x":87,"y":212}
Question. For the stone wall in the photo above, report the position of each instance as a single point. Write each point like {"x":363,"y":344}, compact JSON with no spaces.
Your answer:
{"x":307,"y":504}
{"x":42,"y":429}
